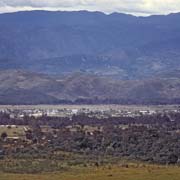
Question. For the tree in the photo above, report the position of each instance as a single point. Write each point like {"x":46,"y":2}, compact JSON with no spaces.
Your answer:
{"x":4,"y":135}
{"x":172,"y":159}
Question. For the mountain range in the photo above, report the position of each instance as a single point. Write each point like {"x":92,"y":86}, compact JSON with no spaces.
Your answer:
{"x":119,"y":45}
{"x":89,"y":57}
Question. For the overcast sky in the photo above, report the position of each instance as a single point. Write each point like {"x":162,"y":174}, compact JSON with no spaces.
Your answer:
{"x":136,"y":7}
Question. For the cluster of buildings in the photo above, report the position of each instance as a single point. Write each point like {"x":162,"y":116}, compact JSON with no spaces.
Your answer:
{"x":100,"y":112}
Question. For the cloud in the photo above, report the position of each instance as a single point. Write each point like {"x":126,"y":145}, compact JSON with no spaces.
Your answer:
{"x":137,"y":7}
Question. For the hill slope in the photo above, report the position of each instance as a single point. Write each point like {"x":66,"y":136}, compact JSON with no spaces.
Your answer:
{"x":19,"y":87}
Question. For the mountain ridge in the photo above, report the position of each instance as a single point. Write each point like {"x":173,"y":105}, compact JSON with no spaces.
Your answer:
{"x":20,"y":87}
{"x":32,"y":40}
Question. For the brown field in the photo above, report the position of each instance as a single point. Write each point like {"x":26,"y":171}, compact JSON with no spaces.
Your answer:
{"x":13,"y":130}
{"x":152,"y":172}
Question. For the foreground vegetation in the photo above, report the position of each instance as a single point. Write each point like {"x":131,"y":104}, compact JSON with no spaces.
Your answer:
{"x":86,"y":147}
{"x":148,"y":138}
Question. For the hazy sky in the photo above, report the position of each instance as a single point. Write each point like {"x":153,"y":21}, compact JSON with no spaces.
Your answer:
{"x":137,"y":7}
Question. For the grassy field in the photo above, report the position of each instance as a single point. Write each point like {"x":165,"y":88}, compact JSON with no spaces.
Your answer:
{"x":13,"y":130}
{"x":104,"y":173}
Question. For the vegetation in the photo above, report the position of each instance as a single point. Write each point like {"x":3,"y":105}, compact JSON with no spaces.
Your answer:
{"x":87,"y":146}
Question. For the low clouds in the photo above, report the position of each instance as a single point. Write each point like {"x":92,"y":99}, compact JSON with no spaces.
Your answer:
{"x":137,"y":7}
